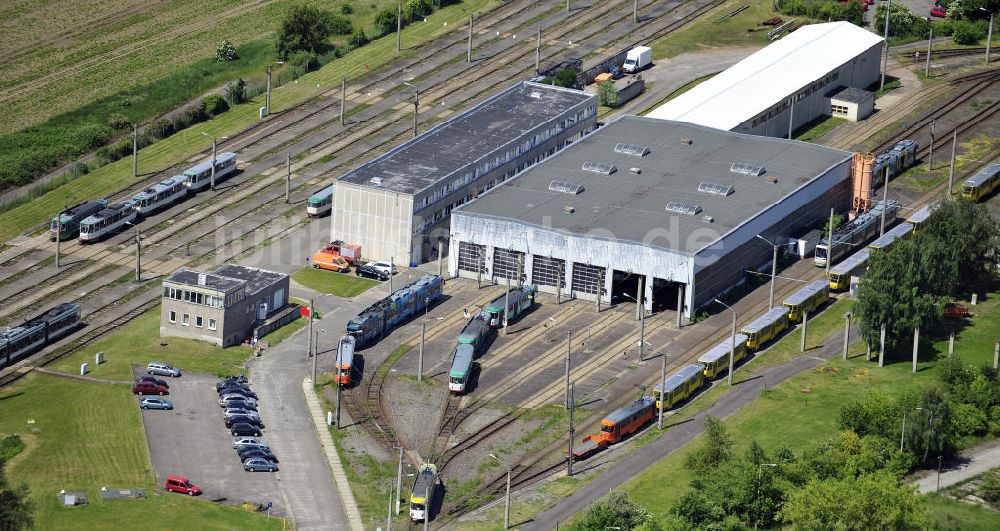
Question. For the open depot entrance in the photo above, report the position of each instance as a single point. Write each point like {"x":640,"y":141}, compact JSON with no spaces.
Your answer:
{"x":665,"y":294}
{"x":624,"y":287}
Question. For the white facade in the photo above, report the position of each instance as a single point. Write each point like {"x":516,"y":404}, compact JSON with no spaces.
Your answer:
{"x":755,"y":96}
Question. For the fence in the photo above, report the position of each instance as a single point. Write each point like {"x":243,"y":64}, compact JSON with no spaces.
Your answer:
{"x":633,"y":89}
{"x":587,"y":76}
{"x":276,"y":321}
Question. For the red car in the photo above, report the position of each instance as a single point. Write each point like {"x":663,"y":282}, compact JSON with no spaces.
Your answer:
{"x":864,"y":5}
{"x":938,"y":11}
{"x":149,"y":388}
{"x":180,"y":484}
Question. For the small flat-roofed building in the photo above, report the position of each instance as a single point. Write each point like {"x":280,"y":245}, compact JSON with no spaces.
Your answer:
{"x":756,"y":95}
{"x":671,"y":208}
{"x":398,"y":205}
{"x":852,"y":103}
{"x":223,"y":306}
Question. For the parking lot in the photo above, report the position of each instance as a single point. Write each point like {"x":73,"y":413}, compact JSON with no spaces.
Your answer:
{"x":191,"y":440}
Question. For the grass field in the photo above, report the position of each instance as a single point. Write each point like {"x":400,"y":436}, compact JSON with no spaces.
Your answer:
{"x":973,"y":152}
{"x":946,"y":513}
{"x":186,"y":144}
{"x":817,"y":128}
{"x":83,"y":436}
{"x":340,"y":284}
{"x":139,"y":342}
{"x":809,"y":401}
{"x":732,"y":32}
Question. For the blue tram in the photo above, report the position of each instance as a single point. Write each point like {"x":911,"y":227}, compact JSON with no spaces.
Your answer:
{"x":378,"y":319}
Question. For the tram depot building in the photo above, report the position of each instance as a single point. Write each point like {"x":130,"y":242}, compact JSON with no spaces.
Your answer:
{"x":222,"y":306}
{"x":398,"y":205}
{"x":669,"y":206}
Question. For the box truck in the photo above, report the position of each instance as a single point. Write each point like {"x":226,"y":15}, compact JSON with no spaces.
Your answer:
{"x":638,"y":58}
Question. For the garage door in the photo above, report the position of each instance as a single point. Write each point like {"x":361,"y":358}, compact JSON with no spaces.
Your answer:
{"x":506,"y":264}
{"x":546,"y":271}
{"x":587,"y":278}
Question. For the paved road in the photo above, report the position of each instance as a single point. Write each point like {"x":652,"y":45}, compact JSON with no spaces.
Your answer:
{"x":680,"y":434}
{"x":975,"y":461}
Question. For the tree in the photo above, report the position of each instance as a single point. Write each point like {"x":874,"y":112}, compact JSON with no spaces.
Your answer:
{"x":617,"y":510}
{"x":416,"y":9}
{"x":226,"y":52}
{"x":928,"y":430}
{"x":305,"y":28}
{"x":873,"y":414}
{"x":236,"y":91}
{"x":970,"y":236}
{"x":872,"y":501}
{"x":565,"y":77}
{"x":607,"y":94}
{"x":15,"y":509}
{"x":717,"y":448}
{"x":385,"y":21}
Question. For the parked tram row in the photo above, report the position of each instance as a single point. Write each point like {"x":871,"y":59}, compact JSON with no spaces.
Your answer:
{"x":93,"y":220}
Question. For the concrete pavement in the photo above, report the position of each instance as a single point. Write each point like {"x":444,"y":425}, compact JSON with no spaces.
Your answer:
{"x":975,"y":462}
{"x":680,"y":434}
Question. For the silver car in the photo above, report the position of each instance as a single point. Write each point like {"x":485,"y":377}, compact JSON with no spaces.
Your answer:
{"x":162,"y":369}
{"x":155,"y":403}
{"x":257,"y":464}
{"x":231,"y":401}
{"x":234,"y":411}
{"x":248,"y":441}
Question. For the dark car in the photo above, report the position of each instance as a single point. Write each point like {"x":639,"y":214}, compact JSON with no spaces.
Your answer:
{"x":366,"y":271}
{"x":234,"y":402}
{"x":149,"y":388}
{"x":239,"y":379}
{"x":238,"y":390}
{"x":243,"y":419}
{"x":153,"y":379}
{"x":247,"y":453}
{"x":244,"y":428}
{"x":256,"y":464}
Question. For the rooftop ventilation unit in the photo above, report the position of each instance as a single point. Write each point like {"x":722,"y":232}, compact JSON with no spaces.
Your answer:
{"x":604,"y":168}
{"x":569,"y":209}
{"x":375,"y":180}
{"x":565,"y":187}
{"x":716,"y":188}
{"x":635,"y":150}
{"x":681,"y":207}
{"x":537,"y":95}
{"x":751,"y":169}
{"x":636,"y":171}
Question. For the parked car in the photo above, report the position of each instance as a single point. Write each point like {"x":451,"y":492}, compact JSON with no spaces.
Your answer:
{"x":256,"y":464}
{"x":263,"y":453}
{"x":162,"y":369}
{"x":244,"y":428}
{"x":367,"y":271}
{"x":241,"y":402}
{"x":938,"y":11}
{"x":153,"y":379}
{"x":155,"y":403}
{"x":239,"y":419}
{"x":238,"y":379}
{"x":384,"y":266}
{"x":181,"y":485}
{"x":233,"y":411}
{"x":238,"y":390}
{"x":864,"y":5}
{"x":149,"y":388}
{"x":248,"y":441}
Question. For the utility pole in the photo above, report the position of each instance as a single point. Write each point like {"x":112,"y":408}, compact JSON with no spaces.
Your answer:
{"x":506,"y":306}
{"x":951,"y":172}
{"x":638,"y":300}
{"x":288,"y":178}
{"x":916,"y":346}
{"x":805,"y":326}
{"x":468,"y":55}
{"x":847,"y":331}
{"x":635,"y":12}
{"x":538,"y":50}
{"x":479,"y":270}
{"x":388,"y":515}
{"x":427,"y":506}
{"x":343,"y":98}
{"x":267,"y":99}
{"x":569,"y":356}
{"x":885,"y":202}
{"x":774,"y":275}
{"x":420,"y":354}
{"x":392,"y":261}
{"x":59,"y":228}
{"x":930,"y":149}
{"x":732,"y":347}
{"x":135,"y":151}
{"x":138,"y":257}
{"x":989,"y":39}
{"x":399,"y":23}
{"x":567,"y":6}
{"x":881,"y":347}
{"x":680,"y":305}
{"x":441,"y":258}
{"x":642,"y":330}
{"x":337,"y":425}
{"x":829,"y":244}
{"x":885,"y":46}
{"x":399,"y":479}
{"x":663,"y":379}
{"x":600,"y":288}
{"x":416,"y":108}
{"x":311,"y":313}
{"x":214,"y":147}
{"x":791,"y":116}
{"x":572,"y":432}
{"x":316,"y":355}
{"x":927,"y":66}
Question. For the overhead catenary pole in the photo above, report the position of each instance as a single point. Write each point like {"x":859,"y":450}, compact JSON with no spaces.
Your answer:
{"x":416,"y":110}
{"x":638,"y":299}
{"x":538,"y":49}
{"x":135,"y":151}
{"x":468,"y":55}
{"x":388,"y":514}
{"x":569,"y":454}
{"x":791,"y":116}
{"x":569,"y":357}
{"x":847,"y":331}
{"x":59,"y":228}
{"x":340,"y":388}
{"x":885,"y":46}
{"x":642,"y":331}
{"x":288,"y":178}
{"x":214,"y":147}
{"x":663,"y":379}
{"x":316,"y":355}
{"x":635,"y":12}
{"x":930,"y":149}
{"x":311,"y":312}
{"x":927,"y":65}
{"x":427,"y":506}
{"x":399,"y":479}
{"x":138,"y":256}
{"x":774,"y":276}
{"x":267,"y":99}
{"x":420,"y":354}
{"x":391,"y":262}
{"x":989,"y":38}
{"x":885,"y":202}
{"x":506,"y":306}
{"x":399,"y":22}
{"x":881,"y":347}
{"x":829,"y":244}
{"x":916,"y":346}
{"x":951,"y":172}
{"x":343,"y":98}
{"x":805,"y":327}
{"x":440,"y":257}
{"x":680,"y":305}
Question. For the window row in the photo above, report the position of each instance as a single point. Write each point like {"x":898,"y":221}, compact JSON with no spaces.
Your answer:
{"x":199,"y":321}
{"x":195,"y":297}
{"x":815,"y":86}
{"x":839,"y":109}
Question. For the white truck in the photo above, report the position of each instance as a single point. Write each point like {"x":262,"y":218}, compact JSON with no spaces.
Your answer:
{"x":637,"y":58}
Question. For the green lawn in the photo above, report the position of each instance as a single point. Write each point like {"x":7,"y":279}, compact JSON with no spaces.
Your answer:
{"x":340,"y":284}
{"x":950,"y":514}
{"x":817,"y":128}
{"x":189,"y":142}
{"x":83,"y":436}
{"x":810,"y":401}
{"x":732,"y":32}
{"x":139,"y":342}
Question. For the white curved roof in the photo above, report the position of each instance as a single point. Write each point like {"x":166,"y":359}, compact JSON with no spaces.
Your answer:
{"x":770,"y":75}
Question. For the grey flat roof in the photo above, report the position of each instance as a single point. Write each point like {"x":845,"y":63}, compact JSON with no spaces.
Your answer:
{"x":625,"y":206}
{"x":464,"y":139}
{"x":228,"y":278}
{"x":852,"y":95}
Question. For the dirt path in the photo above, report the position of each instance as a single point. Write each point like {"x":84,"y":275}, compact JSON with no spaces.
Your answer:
{"x":973,"y":462}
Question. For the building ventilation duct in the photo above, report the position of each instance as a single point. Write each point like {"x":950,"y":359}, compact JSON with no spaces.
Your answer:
{"x":716,"y":188}
{"x":751,"y":169}
{"x":604,"y":168}
{"x":682,"y":207}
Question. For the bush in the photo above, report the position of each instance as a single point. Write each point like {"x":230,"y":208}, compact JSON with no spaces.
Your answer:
{"x":416,"y":9}
{"x":967,"y":419}
{"x":226,"y":52}
{"x":346,"y":9}
{"x":358,"y":39}
{"x":119,"y":122}
{"x":304,"y":28}
{"x":989,"y":488}
{"x":565,"y":77}
{"x":214,"y":104}
{"x":304,"y":60}
{"x":161,"y":128}
{"x":340,"y":25}
{"x":966,"y":33}
{"x":385,"y":22}
{"x":236,"y":91}
{"x":607,"y":94}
